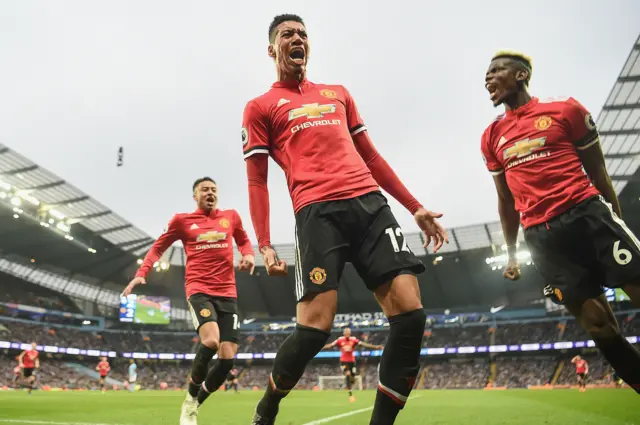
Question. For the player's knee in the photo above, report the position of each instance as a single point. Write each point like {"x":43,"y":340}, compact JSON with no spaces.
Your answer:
{"x":210,"y":341}
{"x":318,"y":310}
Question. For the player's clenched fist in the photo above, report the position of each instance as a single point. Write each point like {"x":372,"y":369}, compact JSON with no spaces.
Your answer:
{"x":275,"y":266}
{"x":432,"y":230}
{"x":512,"y":272}
{"x":134,"y":282}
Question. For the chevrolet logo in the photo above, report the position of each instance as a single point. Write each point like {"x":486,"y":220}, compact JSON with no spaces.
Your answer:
{"x":524,"y":147}
{"x":212,"y":236}
{"x":312,"y":110}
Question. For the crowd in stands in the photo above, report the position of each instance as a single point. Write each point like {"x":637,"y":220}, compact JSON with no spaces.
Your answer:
{"x":437,"y":372}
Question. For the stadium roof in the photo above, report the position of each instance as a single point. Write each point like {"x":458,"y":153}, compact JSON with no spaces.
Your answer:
{"x":619,"y":126}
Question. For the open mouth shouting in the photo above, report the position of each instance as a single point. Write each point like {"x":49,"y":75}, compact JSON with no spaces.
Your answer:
{"x":297,"y":55}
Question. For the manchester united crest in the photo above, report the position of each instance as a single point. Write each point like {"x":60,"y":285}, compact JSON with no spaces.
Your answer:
{"x":543,"y":123}
{"x":224,"y":223}
{"x":328,"y":93}
{"x":318,"y":276}
{"x":205,"y":312}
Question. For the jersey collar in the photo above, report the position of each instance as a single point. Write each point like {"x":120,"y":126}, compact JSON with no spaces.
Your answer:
{"x":523,"y":109}
{"x":291,"y":84}
{"x":213,"y":213}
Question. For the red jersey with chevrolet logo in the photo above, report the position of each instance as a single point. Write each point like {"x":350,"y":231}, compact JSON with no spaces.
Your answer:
{"x":208,"y":244}
{"x":536,"y":146}
{"x":347,"y":347}
{"x":307,"y":129}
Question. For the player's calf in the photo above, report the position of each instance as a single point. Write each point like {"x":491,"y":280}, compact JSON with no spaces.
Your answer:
{"x":289,"y":365}
{"x":216,"y":376}
{"x":399,"y":365}
{"x":596,"y":317}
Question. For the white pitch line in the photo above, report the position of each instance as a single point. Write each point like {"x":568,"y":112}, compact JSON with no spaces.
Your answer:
{"x":344,"y":415}
{"x":34,"y":422}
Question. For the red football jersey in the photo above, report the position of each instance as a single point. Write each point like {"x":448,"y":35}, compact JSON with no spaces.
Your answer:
{"x":307,"y":129}
{"x":581,"y":366}
{"x":536,"y":146}
{"x":347,"y":346}
{"x":209,"y":250}
{"x":104,"y":368}
{"x":29,"y":359}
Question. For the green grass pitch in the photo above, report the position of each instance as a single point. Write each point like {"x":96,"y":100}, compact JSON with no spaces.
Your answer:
{"x":463,"y":407}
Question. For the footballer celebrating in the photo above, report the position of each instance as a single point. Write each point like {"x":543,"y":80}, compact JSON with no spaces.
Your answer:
{"x":334,"y":173}
{"x":103,"y":368}
{"x":210,"y":286}
{"x":550,"y":175}
{"x":347,"y":344}
{"x":29,"y":362}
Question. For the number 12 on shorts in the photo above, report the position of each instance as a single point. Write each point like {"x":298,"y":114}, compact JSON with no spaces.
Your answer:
{"x":394,"y":236}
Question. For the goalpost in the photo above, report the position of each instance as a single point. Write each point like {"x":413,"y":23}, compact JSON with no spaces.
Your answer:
{"x":337,"y":383}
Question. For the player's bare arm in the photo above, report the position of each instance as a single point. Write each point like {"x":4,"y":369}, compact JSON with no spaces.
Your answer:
{"x":370,"y":346}
{"x":391,"y":183}
{"x":594,"y":164}
{"x":257,"y":174}
{"x":510,"y":219}
{"x":330,"y":345}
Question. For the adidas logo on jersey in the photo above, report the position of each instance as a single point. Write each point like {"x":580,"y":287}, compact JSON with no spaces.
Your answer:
{"x":194,"y":226}
{"x":283,"y":102}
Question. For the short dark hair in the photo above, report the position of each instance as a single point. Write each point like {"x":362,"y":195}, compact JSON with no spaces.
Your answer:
{"x":280,"y":19}
{"x":200,"y":180}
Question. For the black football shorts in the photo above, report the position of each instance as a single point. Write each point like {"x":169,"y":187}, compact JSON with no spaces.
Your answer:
{"x":223,"y":310}
{"x":583,"y":250}
{"x":359,"y":230}
{"x":349,"y":367}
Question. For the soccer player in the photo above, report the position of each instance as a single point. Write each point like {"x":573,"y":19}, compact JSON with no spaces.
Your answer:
{"x":133,"y":375}
{"x":104,"y":368}
{"x":314,"y":132}
{"x":29,"y":362}
{"x":232,"y":380}
{"x":582,"y":370}
{"x":573,"y":226}
{"x":347,"y":344}
{"x":207,"y":235}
